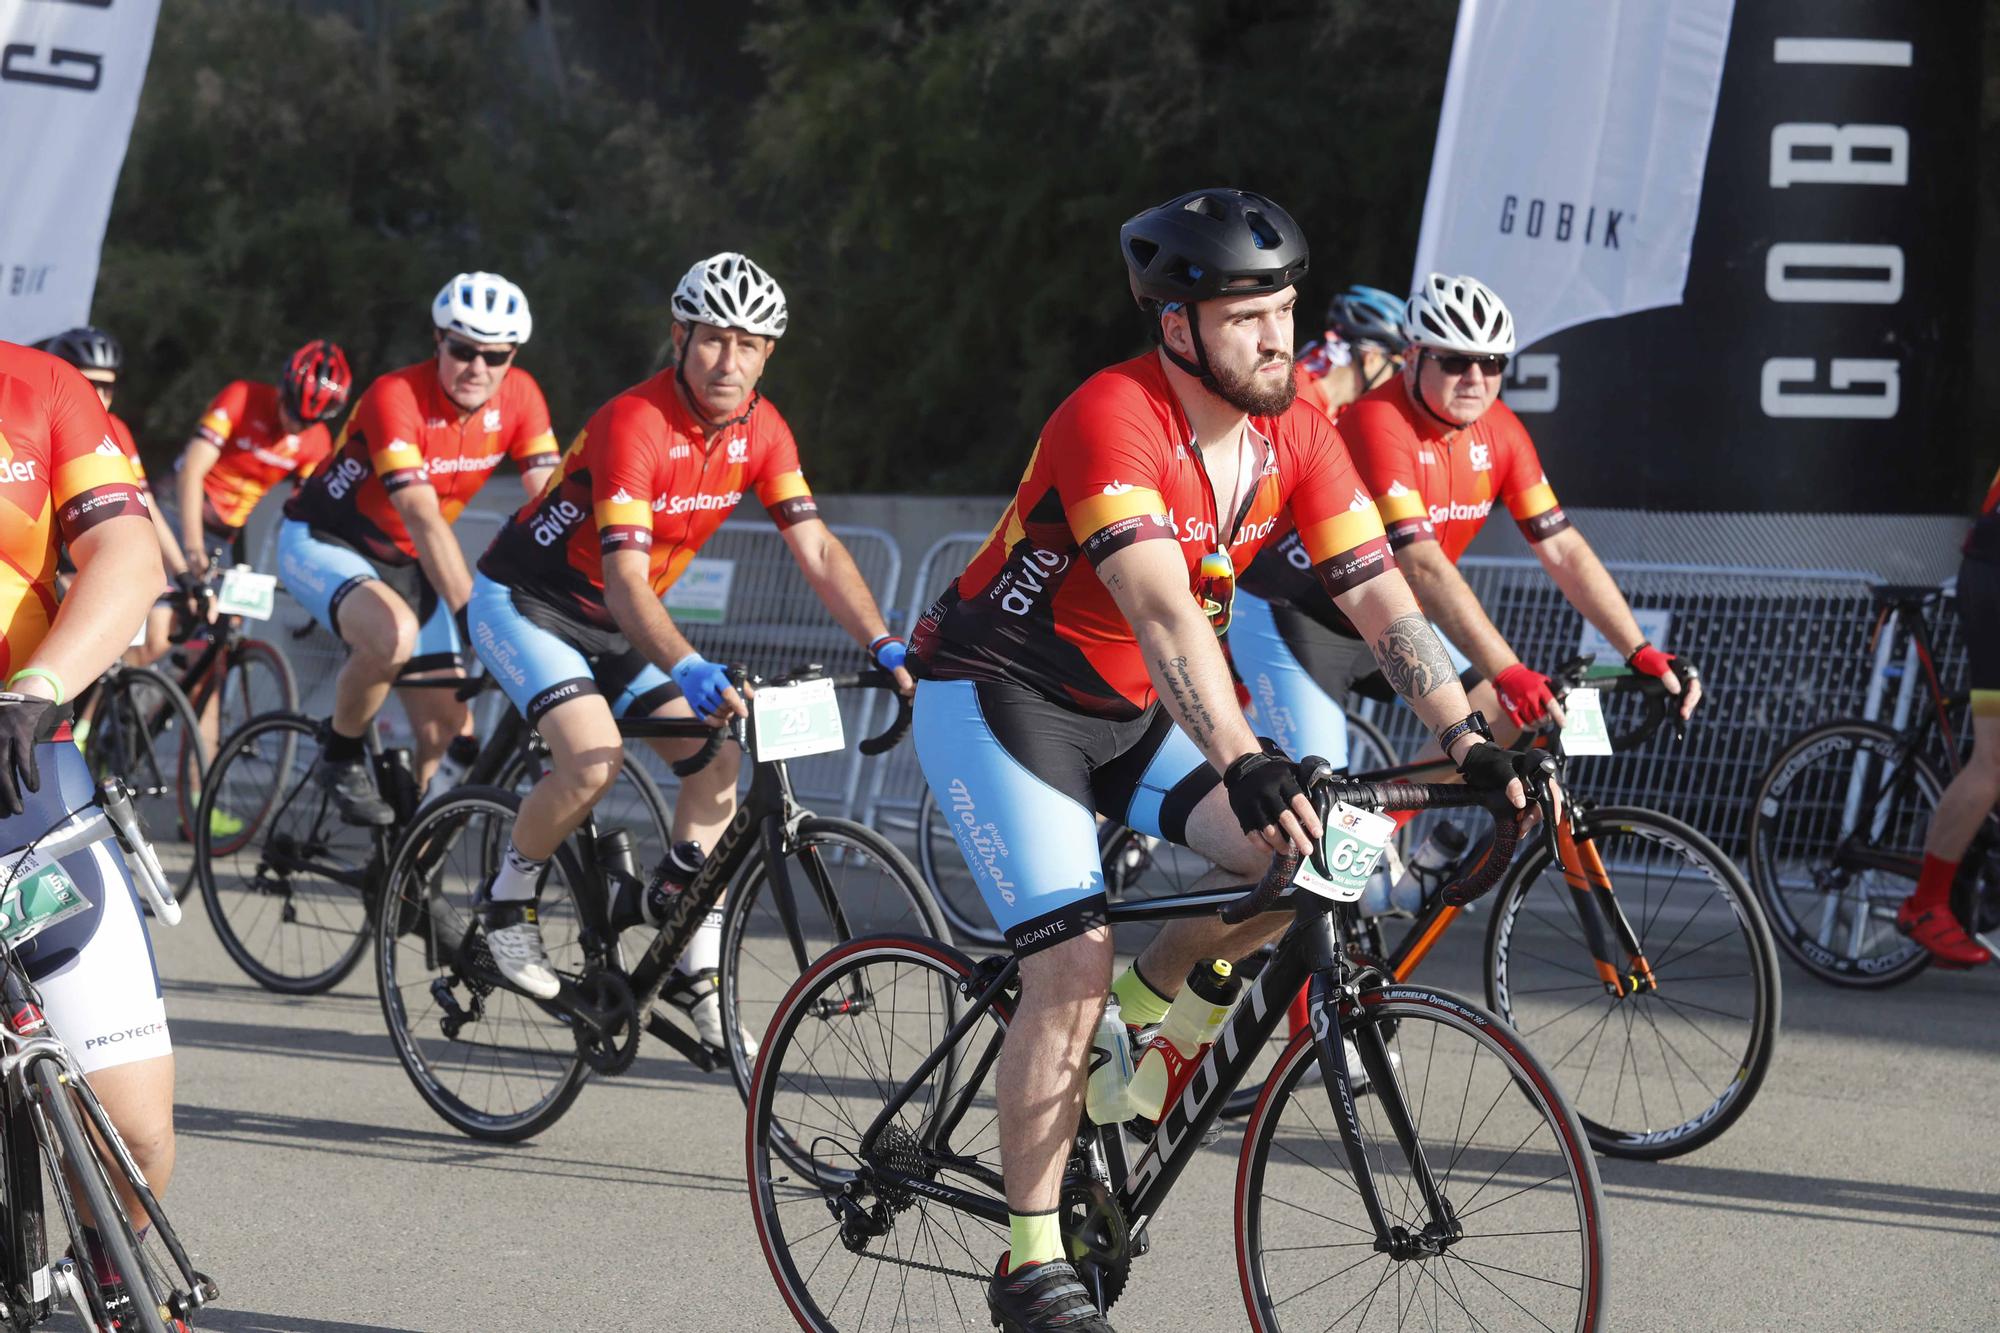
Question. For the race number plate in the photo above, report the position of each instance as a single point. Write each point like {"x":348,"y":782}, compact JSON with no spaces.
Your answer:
{"x":1354,"y":842}
{"x":39,"y":897}
{"x":797,"y":720}
{"x":1583,"y":730}
{"x":247,"y":593}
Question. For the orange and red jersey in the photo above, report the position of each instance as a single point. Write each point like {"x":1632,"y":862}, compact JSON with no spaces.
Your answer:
{"x":1983,"y":541}
{"x":121,"y":435}
{"x":406,"y":431}
{"x":62,"y":472}
{"x":646,"y":475}
{"x":1437,"y":484}
{"x":1117,"y":464}
{"x":257,"y":453}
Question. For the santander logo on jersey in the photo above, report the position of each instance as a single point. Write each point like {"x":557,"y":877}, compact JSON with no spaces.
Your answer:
{"x":1198,"y":531}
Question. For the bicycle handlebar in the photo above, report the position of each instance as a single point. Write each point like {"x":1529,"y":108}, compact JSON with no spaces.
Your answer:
{"x":1659,"y":706}
{"x":872,"y":678}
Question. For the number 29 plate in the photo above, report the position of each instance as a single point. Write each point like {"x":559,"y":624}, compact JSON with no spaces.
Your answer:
{"x":1354,"y":842}
{"x":793,"y":721}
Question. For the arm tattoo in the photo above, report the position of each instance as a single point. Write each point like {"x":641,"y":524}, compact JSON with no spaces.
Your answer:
{"x":1189,"y":710}
{"x":1411,"y":657}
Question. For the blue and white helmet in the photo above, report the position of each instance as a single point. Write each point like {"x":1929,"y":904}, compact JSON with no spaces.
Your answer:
{"x":485,"y":307}
{"x":729,"y":291}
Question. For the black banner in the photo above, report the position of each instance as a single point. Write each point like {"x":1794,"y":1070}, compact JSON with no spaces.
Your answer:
{"x":1821,"y":359}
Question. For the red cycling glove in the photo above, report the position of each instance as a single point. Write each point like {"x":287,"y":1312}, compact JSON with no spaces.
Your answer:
{"x":1650,"y":661}
{"x":1524,"y":694}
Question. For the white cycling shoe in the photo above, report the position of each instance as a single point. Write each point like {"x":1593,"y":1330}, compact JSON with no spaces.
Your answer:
{"x":514,"y":938}
{"x":698,"y":995}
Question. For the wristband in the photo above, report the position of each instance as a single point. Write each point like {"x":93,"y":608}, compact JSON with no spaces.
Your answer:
{"x":1475,"y":721}
{"x":888,"y":651}
{"x":55,"y":681}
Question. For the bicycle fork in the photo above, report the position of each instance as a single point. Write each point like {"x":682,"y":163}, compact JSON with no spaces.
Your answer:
{"x":1621,"y":963}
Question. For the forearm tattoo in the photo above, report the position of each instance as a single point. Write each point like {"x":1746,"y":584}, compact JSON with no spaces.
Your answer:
{"x":1189,"y":710}
{"x":1412,"y":659}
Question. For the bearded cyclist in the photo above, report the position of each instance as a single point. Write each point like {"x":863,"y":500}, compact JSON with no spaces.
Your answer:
{"x":252,"y":437}
{"x":366,"y":545}
{"x":1054,"y":669}
{"x":66,"y":483}
{"x":566,"y":608}
{"x":1362,"y":346}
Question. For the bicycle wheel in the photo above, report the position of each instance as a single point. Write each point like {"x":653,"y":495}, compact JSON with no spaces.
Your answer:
{"x":847,"y":880}
{"x":856,"y":1024}
{"x":143,"y":730}
{"x":634,"y":803}
{"x":259,"y":680}
{"x":1836,"y":840}
{"x":84,"y":1171}
{"x":951,"y":884}
{"x":494,"y":1063}
{"x":1510,"y":1161}
{"x":1368,"y":748}
{"x":1138,"y":865}
{"x":284,"y":882}
{"x":1657,"y":1073}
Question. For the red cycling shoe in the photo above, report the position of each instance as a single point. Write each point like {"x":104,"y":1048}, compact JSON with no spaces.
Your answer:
{"x":1939,"y":931}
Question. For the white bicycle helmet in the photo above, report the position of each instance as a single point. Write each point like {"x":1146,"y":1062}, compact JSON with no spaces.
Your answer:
{"x":1459,"y":315}
{"x":485,"y":307}
{"x":731,"y":292}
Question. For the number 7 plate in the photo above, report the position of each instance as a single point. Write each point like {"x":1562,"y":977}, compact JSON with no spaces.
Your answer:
{"x":1354,"y":842}
{"x":797,"y":720}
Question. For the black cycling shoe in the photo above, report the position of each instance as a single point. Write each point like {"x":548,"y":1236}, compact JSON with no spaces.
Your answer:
{"x":353,"y":791}
{"x":1043,"y":1296}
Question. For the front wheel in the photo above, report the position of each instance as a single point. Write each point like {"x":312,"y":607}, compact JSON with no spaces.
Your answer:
{"x":846,"y":880}
{"x":1526,"y":1249}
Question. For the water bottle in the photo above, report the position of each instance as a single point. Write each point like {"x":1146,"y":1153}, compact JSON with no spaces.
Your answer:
{"x":1107,"y":1101}
{"x":452,"y":765}
{"x":1425,"y":873}
{"x":1198,"y":1014}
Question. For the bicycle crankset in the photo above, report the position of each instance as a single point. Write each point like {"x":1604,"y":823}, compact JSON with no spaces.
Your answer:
{"x":1090,"y":1217}
{"x":605,"y":1022}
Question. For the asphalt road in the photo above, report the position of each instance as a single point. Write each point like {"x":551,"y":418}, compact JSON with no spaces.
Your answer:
{"x":1861,"y":1190}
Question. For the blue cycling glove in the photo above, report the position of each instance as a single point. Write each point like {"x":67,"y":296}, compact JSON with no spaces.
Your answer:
{"x":702,"y":683}
{"x":889,"y":652}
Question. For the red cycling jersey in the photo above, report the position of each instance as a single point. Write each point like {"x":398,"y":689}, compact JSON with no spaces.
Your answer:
{"x":406,"y":432}
{"x":121,"y":435}
{"x":1437,"y":484}
{"x":62,"y":472}
{"x":243,"y":422}
{"x":1117,"y":464}
{"x":645,"y":475}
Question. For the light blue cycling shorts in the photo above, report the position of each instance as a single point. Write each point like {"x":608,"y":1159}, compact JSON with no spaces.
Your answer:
{"x":543,"y":658}
{"x":1020,"y":779}
{"x":319,"y":571}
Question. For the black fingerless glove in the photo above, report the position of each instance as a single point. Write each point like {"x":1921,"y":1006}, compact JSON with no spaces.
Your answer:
{"x":1261,"y":787}
{"x":1490,"y":767}
{"x":25,"y":721}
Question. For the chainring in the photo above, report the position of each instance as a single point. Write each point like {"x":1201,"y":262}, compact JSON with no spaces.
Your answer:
{"x":612,"y":1051}
{"x":1090,"y":1215}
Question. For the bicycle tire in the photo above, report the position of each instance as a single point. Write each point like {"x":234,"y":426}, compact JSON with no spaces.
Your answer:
{"x":1562,"y":1155}
{"x":950,"y":882}
{"x":1706,"y":940}
{"x":263,"y":774}
{"x":1368,"y":746}
{"x":639,"y":788}
{"x":420,"y":921}
{"x":144,"y":731}
{"x":251,"y":659}
{"x":789,"y":1187}
{"x":87,"y":1173}
{"x":753,"y":983}
{"x":1776,"y":853}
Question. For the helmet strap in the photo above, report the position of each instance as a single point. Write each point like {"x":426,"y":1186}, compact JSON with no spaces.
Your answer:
{"x":1198,"y":367}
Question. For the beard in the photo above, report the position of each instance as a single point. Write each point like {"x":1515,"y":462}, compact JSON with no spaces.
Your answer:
{"x":1244,"y":390}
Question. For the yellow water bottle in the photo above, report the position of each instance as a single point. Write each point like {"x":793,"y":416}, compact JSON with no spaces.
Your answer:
{"x":1197,"y":1015}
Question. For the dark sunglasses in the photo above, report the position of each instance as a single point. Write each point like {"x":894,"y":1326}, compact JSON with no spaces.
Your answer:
{"x":465,"y":353}
{"x":1215,"y":589}
{"x":1455,"y":364}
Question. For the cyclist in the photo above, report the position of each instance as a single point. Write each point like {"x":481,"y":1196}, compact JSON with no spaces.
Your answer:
{"x":566,"y":610}
{"x":366,"y":545}
{"x":100,"y":359}
{"x":252,"y":437}
{"x":65,"y":483}
{"x":1049,"y":688}
{"x":1926,"y":915}
{"x":1363,"y":344}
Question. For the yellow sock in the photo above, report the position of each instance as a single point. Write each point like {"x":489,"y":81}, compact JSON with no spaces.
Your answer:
{"x":1036,"y":1239}
{"x":1138,"y":1002}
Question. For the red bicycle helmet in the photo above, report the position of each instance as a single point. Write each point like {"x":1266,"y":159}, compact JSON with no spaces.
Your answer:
{"x":315,"y":382}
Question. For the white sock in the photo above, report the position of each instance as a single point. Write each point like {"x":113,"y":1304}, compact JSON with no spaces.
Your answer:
{"x":705,"y":949}
{"x":517,"y":878}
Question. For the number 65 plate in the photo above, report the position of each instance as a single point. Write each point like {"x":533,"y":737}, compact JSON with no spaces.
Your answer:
{"x":1354,"y":842}
{"x":797,"y":720}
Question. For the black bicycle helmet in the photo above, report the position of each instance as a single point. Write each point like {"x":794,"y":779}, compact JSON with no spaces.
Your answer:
{"x":1206,"y":243}
{"x":87,"y":348}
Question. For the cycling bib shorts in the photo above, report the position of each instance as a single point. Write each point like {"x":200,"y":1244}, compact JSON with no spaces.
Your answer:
{"x":543,"y":658}
{"x":320,"y":571}
{"x":1979,"y":616}
{"x":99,"y":985}
{"x":1020,"y":779}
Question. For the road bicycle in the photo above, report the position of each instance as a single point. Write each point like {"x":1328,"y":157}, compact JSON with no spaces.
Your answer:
{"x":56,"y":1140}
{"x":292,"y":888}
{"x":496,"y":1063}
{"x":1447,"y":1184}
{"x":1838,"y":824}
{"x":135,"y":724}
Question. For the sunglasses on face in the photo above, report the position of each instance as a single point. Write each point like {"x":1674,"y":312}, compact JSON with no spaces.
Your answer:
{"x":465,"y":353}
{"x":1215,"y":589}
{"x":1454,"y":364}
